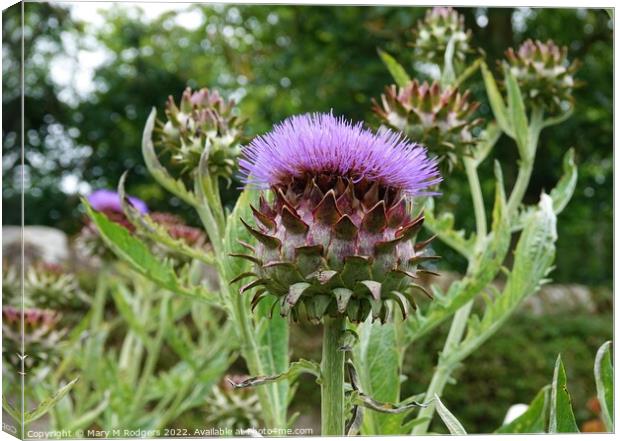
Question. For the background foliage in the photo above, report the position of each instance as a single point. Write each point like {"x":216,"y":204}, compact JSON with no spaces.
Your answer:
{"x":281,"y":60}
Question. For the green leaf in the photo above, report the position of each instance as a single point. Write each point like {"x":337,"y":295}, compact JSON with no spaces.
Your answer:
{"x":468,"y":72}
{"x":518,"y":117}
{"x":266,"y":352}
{"x":533,"y":420}
{"x":45,"y":405}
{"x":396,"y":69}
{"x":8,"y":407}
{"x":121,"y":301}
{"x":561,"y":194}
{"x":377,"y":361}
{"x":158,"y":171}
{"x":533,"y":260}
{"x":564,"y":189}
{"x":453,"y":425}
{"x":497,"y":102}
{"x":136,"y":253}
{"x":604,"y":376}
{"x":561,"y":417}
{"x":295,"y":370}
{"x":443,"y":227}
{"x":485,"y":264}
{"x":447,"y":75}
{"x":147,"y":227}
{"x":86,"y":419}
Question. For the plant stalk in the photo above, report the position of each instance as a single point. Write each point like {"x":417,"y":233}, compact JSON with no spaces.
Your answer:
{"x":332,"y":378}
{"x":459,"y":323}
{"x":476,"y":196}
{"x":443,"y":369}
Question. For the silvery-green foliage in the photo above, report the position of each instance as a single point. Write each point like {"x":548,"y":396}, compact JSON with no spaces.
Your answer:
{"x":485,"y":251}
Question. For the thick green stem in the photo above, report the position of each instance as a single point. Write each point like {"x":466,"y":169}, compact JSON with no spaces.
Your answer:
{"x":459,"y":323}
{"x":526,"y":164}
{"x":518,"y":191}
{"x":332,"y":378}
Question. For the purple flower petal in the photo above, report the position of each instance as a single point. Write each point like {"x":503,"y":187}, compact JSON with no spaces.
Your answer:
{"x":108,"y":200}
{"x":322,"y":143}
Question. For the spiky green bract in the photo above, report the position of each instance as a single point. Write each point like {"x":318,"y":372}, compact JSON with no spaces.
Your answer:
{"x":440,"y":25}
{"x":544,"y":74}
{"x":440,"y":119}
{"x":202,"y":121}
{"x":329,"y":245}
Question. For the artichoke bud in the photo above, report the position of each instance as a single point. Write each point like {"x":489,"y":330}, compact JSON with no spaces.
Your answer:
{"x":440,"y":119}
{"x":334,"y":241}
{"x":41,"y":334}
{"x":431,"y":37}
{"x":203,"y":120}
{"x":544,"y":74}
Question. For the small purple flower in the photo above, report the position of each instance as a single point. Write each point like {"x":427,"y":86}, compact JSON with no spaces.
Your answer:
{"x":108,"y":200}
{"x":317,"y":143}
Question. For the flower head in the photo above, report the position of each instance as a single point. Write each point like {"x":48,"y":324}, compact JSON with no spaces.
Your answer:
{"x":442,"y":119}
{"x":309,"y":145}
{"x":41,"y":334}
{"x":543,"y":72}
{"x":109,"y":201}
{"x":433,"y":34}
{"x":203,"y":120}
{"x":339,"y":237}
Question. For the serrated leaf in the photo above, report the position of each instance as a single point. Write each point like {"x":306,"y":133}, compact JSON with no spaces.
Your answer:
{"x":147,"y":227}
{"x":497,"y":102}
{"x":561,"y":417}
{"x":397,"y":71}
{"x":45,"y":405}
{"x":604,"y":376}
{"x":561,"y":194}
{"x":564,"y":189}
{"x":158,"y":171}
{"x":533,"y":420}
{"x":486,"y":263}
{"x":453,"y":425}
{"x":533,"y":259}
{"x":296,"y":368}
{"x":135,"y":252}
{"x":377,"y":361}
{"x":517,"y":115}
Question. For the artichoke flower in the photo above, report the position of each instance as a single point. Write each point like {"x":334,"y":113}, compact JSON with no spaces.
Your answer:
{"x":440,"y":25}
{"x":202,"y":121}
{"x":41,"y":334}
{"x":440,"y":119}
{"x":543,"y":72}
{"x":338,"y":238}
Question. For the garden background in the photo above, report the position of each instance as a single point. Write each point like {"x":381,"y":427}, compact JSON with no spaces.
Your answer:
{"x":93,"y":77}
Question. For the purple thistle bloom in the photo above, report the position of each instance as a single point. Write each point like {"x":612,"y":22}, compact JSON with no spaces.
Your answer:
{"x":109,"y":200}
{"x":313,"y":144}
